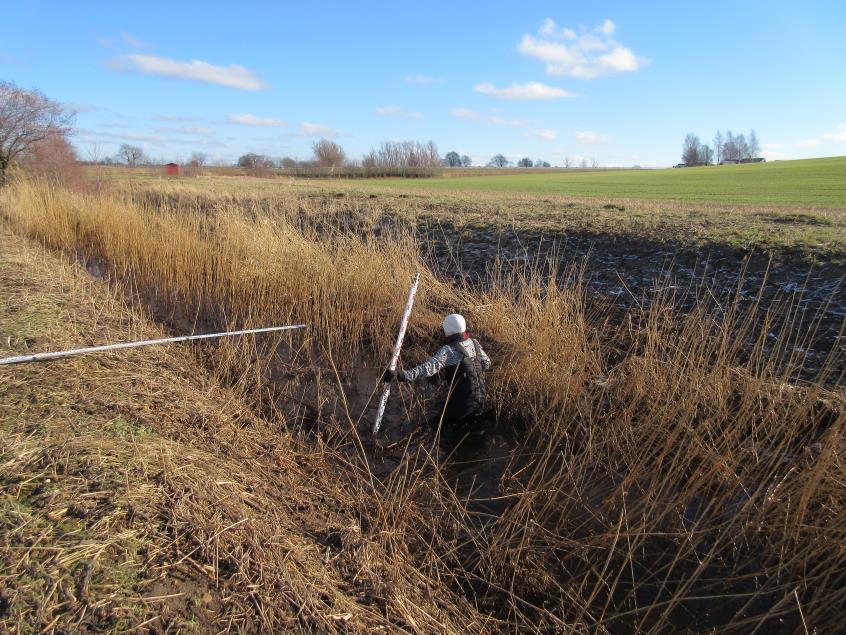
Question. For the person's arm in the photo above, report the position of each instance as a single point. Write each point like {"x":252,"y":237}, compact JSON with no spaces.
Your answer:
{"x":484,"y":360}
{"x":432,"y":365}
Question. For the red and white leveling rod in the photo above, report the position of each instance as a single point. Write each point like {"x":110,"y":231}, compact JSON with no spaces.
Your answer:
{"x":39,"y":357}
{"x":395,"y":357}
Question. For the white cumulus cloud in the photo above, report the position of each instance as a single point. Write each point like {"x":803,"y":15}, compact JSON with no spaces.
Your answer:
{"x":583,"y":55}
{"x":464,"y":113}
{"x":545,"y":134}
{"x":246,"y":119}
{"x":318,"y":130}
{"x":397,"y":111}
{"x":233,"y":75}
{"x":588,"y":137}
{"x":527,"y":91}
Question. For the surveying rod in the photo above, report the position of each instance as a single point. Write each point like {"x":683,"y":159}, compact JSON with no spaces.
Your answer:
{"x":39,"y":357}
{"x":395,"y":357}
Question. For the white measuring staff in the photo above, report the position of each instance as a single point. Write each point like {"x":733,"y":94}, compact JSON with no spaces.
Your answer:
{"x":37,"y":357}
{"x":395,"y":357}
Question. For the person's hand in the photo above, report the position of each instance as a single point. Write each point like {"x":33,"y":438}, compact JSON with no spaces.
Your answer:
{"x":393,"y":375}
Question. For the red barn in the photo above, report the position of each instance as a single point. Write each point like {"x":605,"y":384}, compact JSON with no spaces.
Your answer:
{"x":172,"y":169}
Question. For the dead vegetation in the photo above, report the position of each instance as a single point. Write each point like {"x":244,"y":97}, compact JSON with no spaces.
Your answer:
{"x":670,"y":474}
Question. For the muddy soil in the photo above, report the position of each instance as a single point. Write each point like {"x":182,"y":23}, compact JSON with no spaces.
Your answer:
{"x":627,"y":271}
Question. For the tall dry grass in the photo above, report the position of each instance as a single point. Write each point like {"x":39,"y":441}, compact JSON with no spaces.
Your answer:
{"x":670,"y":474}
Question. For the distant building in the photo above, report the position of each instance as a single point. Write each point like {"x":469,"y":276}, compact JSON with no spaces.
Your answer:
{"x":172,"y":169}
{"x":680,"y":165}
{"x":754,"y":160}
{"x":729,"y":162}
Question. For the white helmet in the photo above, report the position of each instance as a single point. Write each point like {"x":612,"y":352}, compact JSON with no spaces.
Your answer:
{"x":454,"y":324}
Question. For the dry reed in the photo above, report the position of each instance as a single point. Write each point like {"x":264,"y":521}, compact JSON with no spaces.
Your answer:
{"x":672,"y":473}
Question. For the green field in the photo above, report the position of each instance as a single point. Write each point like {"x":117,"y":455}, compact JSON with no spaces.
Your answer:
{"x":805,"y":183}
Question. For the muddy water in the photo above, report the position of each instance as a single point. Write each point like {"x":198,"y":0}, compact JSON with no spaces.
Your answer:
{"x":472,"y":461}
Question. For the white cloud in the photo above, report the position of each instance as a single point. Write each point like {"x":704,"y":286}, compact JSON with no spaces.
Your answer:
{"x":134,"y":42}
{"x":319,"y":130}
{"x":606,"y":28}
{"x":186,"y":130}
{"x":545,"y":134}
{"x":246,"y":119}
{"x":161,"y":117}
{"x":422,"y":79}
{"x":588,"y":137}
{"x":773,"y":155}
{"x":464,"y":113}
{"x":838,"y":135}
{"x":548,"y":27}
{"x":397,"y":111}
{"x":502,"y":121}
{"x":583,"y":55}
{"x":529,"y":90}
{"x":124,"y":136}
{"x":196,"y":70}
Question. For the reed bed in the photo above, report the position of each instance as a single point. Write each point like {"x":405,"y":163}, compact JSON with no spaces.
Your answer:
{"x":672,"y":472}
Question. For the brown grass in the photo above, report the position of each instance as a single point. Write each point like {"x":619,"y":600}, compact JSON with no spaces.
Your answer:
{"x":670,"y":475}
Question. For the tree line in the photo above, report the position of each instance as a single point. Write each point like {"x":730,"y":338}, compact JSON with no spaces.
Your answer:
{"x":726,"y":148}
{"x":35,"y":129}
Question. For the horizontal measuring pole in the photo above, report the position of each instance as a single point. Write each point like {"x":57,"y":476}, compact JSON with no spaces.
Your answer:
{"x":39,"y":357}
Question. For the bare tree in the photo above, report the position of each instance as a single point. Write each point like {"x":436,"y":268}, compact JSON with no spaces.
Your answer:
{"x":691,"y":149}
{"x":131,"y":155}
{"x":328,"y":154}
{"x":499,"y":161}
{"x":198,"y":159}
{"x":754,"y":147}
{"x":729,"y":148}
{"x":403,"y":154}
{"x":525,"y":162}
{"x":706,"y":155}
{"x":718,"y":146}
{"x":594,"y":163}
{"x":568,"y":163}
{"x":27,"y":117}
{"x":53,"y":157}
{"x":742,"y":147}
{"x":466,"y":161}
{"x":583,"y":163}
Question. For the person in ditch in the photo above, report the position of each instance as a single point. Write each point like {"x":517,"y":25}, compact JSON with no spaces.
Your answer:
{"x":460,"y":365}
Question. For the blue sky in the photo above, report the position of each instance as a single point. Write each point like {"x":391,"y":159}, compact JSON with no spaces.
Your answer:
{"x":619,"y":82}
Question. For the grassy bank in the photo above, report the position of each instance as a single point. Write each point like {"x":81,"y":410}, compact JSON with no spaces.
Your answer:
{"x":669,"y":474}
{"x":139,"y":493}
{"x":806,"y":183}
